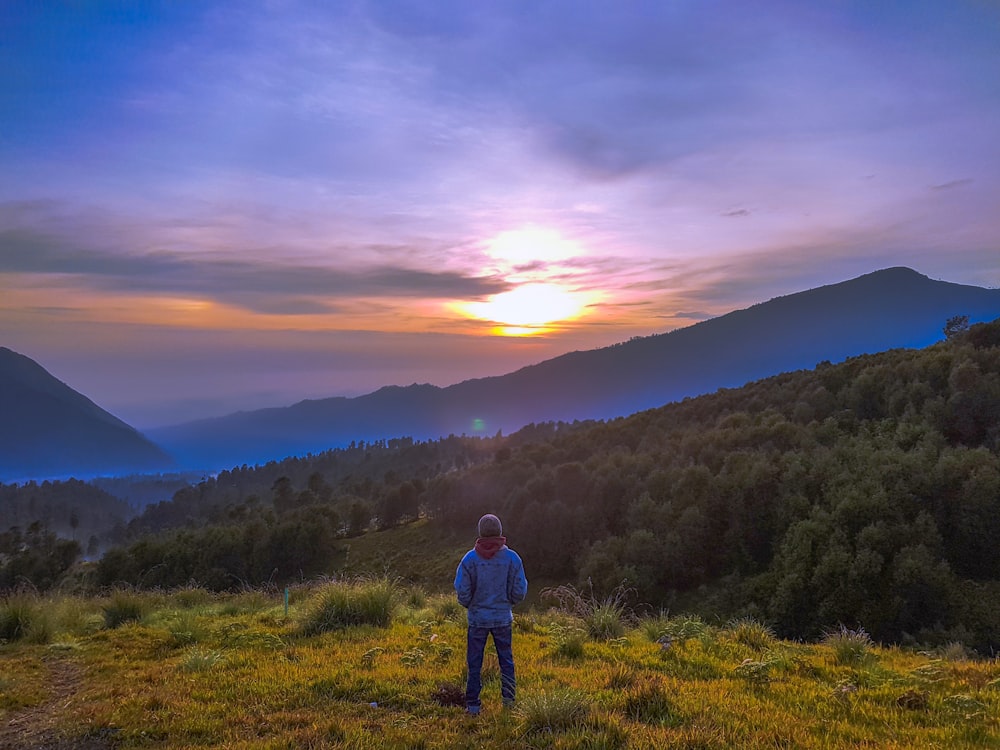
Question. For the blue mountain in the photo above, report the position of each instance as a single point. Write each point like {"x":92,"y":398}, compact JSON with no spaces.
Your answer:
{"x":49,"y":430}
{"x":891,"y":308}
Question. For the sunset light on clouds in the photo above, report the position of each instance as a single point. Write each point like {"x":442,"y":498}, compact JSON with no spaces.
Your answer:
{"x":212,"y":206}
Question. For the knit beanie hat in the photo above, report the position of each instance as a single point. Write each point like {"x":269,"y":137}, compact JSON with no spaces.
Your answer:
{"x":489,"y":525}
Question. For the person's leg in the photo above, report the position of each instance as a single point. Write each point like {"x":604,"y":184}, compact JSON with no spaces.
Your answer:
{"x":475,"y":644}
{"x":503,"y":640}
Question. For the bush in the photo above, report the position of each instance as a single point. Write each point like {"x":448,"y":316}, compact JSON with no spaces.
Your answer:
{"x":344,"y":604}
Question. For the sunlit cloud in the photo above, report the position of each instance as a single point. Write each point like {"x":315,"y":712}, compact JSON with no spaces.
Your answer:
{"x":532,"y":245}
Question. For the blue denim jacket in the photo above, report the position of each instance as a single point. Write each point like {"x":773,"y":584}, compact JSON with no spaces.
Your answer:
{"x":488,"y":588}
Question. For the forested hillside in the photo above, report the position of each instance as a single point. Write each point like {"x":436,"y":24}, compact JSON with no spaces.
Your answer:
{"x":886,"y":309}
{"x":865,"y":493}
{"x":48,"y":526}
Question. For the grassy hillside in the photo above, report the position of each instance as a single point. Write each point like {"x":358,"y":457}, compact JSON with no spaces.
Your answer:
{"x":190,"y":669}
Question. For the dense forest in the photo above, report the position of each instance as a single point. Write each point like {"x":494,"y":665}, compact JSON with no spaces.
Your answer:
{"x":865,"y":493}
{"x":70,"y":509}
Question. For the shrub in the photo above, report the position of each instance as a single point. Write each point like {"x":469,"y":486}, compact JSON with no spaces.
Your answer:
{"x":850,"y":647}
{"x":955,"y":651}
{"x":345,"y":604}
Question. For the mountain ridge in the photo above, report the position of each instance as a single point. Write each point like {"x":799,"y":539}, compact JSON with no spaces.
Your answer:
{"x":55,"y":431}
{"x":891,"y":308}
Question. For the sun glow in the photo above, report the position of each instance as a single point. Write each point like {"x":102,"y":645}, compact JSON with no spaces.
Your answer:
{"x":531,"y":245}
{"x":528,"y":309}
{"x":533,"y":261}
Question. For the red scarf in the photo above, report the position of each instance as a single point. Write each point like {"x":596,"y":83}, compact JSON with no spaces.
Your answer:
{"x":488,"y":546}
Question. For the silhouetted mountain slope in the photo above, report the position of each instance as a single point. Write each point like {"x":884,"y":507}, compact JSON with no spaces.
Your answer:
{"x":893,"y":308}
{"x":47,"y":429}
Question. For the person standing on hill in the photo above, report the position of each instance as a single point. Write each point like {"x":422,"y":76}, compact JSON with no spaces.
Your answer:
{"x":489,"y":582}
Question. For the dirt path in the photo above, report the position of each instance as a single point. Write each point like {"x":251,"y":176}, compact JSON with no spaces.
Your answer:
{"x":37,"y":727}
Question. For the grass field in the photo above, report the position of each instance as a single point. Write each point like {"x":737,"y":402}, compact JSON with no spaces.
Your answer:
{"x":190,"y":669}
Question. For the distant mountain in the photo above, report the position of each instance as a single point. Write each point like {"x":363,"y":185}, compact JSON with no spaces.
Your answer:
{"x":49,"y":430}
{"x":892,"y":308}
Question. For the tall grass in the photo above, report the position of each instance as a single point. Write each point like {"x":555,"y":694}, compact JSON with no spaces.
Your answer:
{"x":124,"y":606}
{"x":344,"y":604}
{"x":850,"y":647}
{"x":553,"y":710}
{"x":674,"y":630}
{"x":253,"y":679}
{"x":650,"y":703}
{"x":751,"y":632}
{"x":606,"y":617}
{"x":22,"y":618}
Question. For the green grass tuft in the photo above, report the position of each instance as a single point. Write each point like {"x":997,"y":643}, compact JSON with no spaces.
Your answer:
{"x":850,"y":647}
{"x":605,"y":618}
{"x":22,"y":618}
{"x":346,"y":604}
{"x":122,"y":607}
{"x":751,"y":632}
{"x":553,"y":710}
{"x":201,"y":660}
{"x":649,"y":703}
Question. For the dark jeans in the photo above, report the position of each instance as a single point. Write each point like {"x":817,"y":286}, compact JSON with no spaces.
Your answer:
{"x":475,"y":647}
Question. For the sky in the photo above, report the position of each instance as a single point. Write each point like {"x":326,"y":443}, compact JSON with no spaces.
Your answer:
{"x":214,"y":206}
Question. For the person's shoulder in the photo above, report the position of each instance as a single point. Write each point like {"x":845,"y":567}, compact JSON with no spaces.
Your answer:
{"x":512,"y":554}
{"x":470,"y":555}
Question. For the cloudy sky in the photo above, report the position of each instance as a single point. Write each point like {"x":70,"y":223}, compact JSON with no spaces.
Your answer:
{"x":221,"y":205}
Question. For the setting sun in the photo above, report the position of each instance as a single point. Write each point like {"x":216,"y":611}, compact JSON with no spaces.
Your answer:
{"x":524,"y":310}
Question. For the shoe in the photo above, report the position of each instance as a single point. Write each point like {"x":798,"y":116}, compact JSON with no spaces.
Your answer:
{"x":472,"y":710}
